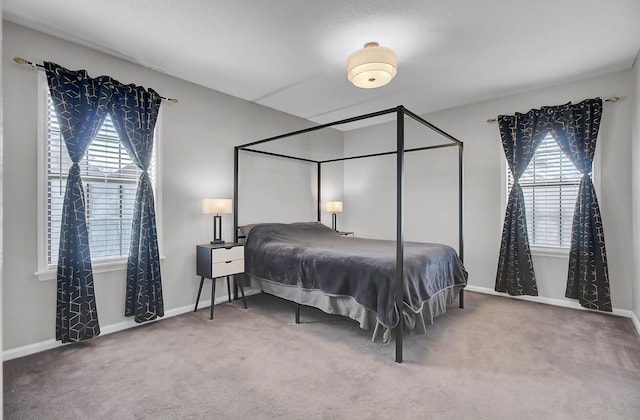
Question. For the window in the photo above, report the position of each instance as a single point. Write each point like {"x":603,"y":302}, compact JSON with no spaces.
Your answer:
{"x":550,"y":187}
{"x":110,"y":180}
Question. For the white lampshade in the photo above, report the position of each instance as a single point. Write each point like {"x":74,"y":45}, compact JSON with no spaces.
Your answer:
{"x":334,"y":206}
{"x":372,"y":66}
{"x":216,"y":205}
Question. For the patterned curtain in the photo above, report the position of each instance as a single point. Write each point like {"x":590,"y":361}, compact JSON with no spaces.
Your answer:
{"x":576,"y":131}
{"x":81,"y":106}
{"x":521,"y":135}
{"x":134,"y":112}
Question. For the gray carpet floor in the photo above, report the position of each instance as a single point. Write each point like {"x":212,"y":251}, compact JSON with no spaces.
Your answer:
{"x":498,"y":358}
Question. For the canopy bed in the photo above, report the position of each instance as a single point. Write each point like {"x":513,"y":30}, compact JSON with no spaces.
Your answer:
{"x":354,"y":277}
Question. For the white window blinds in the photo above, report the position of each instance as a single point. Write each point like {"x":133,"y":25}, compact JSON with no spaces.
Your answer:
{"x":109,"y":178}
{"x":550,"y":187}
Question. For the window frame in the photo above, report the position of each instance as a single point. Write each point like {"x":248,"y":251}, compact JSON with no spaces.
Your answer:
{"x":47,"y":271}
{"x":555,"y":252}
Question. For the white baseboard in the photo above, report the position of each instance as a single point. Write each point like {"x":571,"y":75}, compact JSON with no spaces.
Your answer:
{"x":636,"y":322}
{"x":567,"y":303}
{"x":108,"y":329}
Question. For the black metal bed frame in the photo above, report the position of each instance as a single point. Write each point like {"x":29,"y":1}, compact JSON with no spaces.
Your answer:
{"x":401,"y":112}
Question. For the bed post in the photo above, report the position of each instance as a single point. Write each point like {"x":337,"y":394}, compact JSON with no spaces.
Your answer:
{"x":235,"y":216}
{"x":460,"y":219}
{"x":399,"y":232}
{"x":235,"y":194}
{"x":319,"y":191}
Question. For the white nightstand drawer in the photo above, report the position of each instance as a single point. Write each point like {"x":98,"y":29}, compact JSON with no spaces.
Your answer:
{"x":227,"y":268}
{"x":222,"y":255}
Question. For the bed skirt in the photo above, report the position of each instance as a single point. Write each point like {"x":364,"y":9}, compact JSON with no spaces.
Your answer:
{"x":415,"y":322}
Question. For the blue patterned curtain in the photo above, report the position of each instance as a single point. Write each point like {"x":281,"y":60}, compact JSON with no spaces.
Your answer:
{"x":576,"y":130}
{"x":134,"y":112}
{"x":80,"y":103}
{"x":521,"y":136}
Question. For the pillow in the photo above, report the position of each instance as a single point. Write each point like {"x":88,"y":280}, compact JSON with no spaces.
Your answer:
{"x":244,"y":230}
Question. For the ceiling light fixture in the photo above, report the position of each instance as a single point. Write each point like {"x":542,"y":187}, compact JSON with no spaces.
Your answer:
{"x":372,"y":66}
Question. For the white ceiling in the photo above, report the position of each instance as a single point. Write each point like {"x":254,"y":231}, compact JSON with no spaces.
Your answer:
{"x":290,"y":55}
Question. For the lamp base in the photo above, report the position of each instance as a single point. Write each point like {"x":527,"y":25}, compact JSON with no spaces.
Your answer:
{"x":217,"y":230}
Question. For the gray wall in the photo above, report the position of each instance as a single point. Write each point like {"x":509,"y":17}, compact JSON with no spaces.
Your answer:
{"x":431,"y":203}
{"x":198,"y":135}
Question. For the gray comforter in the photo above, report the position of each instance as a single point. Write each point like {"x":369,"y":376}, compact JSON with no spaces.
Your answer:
{"x":314,"y":257}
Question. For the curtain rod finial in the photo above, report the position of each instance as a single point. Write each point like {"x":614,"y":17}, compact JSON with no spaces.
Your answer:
{"x":21,"y":60}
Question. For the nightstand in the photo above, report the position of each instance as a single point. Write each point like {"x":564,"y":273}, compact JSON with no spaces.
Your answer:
{"x":219,"y":260}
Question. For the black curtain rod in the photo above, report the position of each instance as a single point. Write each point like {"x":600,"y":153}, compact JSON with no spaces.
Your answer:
{"x":21,"y":60}
{"x":611,"y":99}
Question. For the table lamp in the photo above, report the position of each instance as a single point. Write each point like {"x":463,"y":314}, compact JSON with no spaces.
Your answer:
{"x":216,"y":206}
{"x":334,"y":207}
